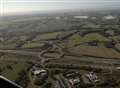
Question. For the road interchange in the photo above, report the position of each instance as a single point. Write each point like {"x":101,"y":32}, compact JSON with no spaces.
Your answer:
{"x":41,"y":59}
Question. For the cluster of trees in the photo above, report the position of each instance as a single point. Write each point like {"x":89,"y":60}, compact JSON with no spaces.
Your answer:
{"x":23,"y":79}
{"x":108,"y":44}
{"x":109,"y":82}
{"x":41,"y":79}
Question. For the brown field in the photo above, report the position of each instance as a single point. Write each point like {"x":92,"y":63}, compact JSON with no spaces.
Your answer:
{"x":95,"y":52}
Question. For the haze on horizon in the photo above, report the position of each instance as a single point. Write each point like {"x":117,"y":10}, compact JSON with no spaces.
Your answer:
{"x":23,"y":6}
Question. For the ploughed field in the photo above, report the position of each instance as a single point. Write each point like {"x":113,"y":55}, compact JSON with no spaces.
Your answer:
{"x":95,"y":52}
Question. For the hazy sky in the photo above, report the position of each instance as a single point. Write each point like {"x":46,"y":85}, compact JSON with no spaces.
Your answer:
{"x":15,"y":6}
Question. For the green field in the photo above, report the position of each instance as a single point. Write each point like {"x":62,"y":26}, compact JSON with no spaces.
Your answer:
{"x":77,"y":39}
{"x":14,"y":73}
{"x":47,"y":36}
{"x":11,"y":66}
{"x":12,"y":43}
{"x":32,"y":45}
{"x":71,"y":41}
{"x":94,"y":36}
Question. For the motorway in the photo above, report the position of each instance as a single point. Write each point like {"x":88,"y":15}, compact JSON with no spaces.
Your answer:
{"x":20,"y":52}
{"x":41,"y":59}
{"x":44,"y":59}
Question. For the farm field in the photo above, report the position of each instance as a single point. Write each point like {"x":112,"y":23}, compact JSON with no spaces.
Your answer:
{"x":94,"y":36}
{"x":10,"y":68}
{"x":47,"y":36}
{"x":33,"y":45}
{"x":95,"y":51}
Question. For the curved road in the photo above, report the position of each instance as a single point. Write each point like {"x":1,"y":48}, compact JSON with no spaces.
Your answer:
{"x":42,"y":59}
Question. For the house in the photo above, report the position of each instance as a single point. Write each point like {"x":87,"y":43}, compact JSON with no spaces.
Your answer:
{"x":37,"y":71}
{"x":74,"y":78}
{"x":90,"y":78}
{"x":40,"y":71}
{"x":39,"y":75}
{"x":75,"y":81}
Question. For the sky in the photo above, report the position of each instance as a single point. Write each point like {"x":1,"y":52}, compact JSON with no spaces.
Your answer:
{"x":22,"y":6}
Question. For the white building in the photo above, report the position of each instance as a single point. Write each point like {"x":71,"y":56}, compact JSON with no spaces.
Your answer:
{"x":74,"y":81}
{"x":37,"y":72}
{"x":57,"y":18}
{"x":81,"y":17}
{"x":109,"y":17}
{"x":90,"y":78}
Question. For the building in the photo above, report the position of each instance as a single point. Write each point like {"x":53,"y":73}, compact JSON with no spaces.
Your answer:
{"x":109,"y":17}
{"x":81,"y":17}
{"x":74,"y":78}
{"x":38,"y":70}
{"x":90,"y":78}
{"x":39,"y":75}
{"x":74,"y":82}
